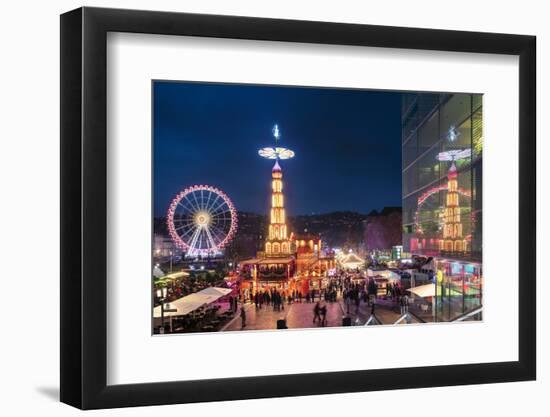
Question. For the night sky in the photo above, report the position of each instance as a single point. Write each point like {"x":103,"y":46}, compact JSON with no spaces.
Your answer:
{"x":347,"y":145}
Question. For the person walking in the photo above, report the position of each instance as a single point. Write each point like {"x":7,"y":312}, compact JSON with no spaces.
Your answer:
{"x":316,"y":312}
{"x":243,"y":318}
{"x":323,"y":310}
{"x":404,"y":304}
{"x":372,"y":290}
{"x":347,"y":300}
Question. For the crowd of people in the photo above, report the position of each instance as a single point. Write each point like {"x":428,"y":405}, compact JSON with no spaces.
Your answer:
{"x":273,"y":297}
{"x":351,"y":290}
{"x":181,"y":287}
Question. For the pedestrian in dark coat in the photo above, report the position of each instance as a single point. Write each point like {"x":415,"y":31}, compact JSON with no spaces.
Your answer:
{"x":317,"y":312}
{"x":243,"y":318}
{"x":323,"y":315}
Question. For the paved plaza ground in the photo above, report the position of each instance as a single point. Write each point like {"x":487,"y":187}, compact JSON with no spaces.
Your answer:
{"x":300,"y":315}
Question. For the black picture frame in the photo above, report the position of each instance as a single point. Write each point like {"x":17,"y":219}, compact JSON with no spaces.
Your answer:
{"x":84,"y":207}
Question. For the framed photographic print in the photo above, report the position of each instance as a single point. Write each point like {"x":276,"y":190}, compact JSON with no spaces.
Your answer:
{"x":257,"y":208}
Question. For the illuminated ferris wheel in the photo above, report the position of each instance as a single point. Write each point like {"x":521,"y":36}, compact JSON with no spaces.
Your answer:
{"x":202,"y":220}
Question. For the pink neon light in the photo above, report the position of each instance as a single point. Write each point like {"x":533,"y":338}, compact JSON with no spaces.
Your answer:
{"x":172,"y":209}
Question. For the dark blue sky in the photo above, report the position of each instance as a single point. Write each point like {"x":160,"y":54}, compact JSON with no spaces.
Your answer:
{"x":347,"y":144}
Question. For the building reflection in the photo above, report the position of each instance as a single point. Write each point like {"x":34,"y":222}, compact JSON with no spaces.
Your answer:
{"x":442,"y":144}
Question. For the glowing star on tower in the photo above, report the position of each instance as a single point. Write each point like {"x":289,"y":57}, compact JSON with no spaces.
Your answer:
{"x":276,"y":152}
{"x":453,"y":134}
{"x":278,"y":242}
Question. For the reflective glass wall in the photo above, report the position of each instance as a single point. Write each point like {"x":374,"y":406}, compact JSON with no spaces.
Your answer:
{"x":442,"y":149}
{"x":458,"y":289}
{"x":442,"y":137}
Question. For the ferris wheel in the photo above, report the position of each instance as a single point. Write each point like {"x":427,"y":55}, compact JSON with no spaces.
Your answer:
{"x":202,"y":220}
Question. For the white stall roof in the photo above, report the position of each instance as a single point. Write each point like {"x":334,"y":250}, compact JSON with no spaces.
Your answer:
{"x":427,"y":290}
{"x":191,"y":302}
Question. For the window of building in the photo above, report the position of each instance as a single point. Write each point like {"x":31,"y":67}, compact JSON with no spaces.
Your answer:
{"x":409,"y":180}
{"x":426,"y":103}
{"x":455,"y":111}
{"x":428,"y":134}
{"x":477,"y":100}
{"x":410,"y":121}
{"x":428,"y":167}
{"x":410,"y":150}
{"x":477,"y":133}
{"x":284,"y":247}
{"x":462,"y":134}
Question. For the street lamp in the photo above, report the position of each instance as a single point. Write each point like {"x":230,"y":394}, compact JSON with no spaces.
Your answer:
{"x":161,"y":295}
{"x":171,"y":253}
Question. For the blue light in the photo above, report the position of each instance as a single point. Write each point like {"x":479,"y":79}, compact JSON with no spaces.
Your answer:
{"x":276,"y":133}
{"x":453,"y":134}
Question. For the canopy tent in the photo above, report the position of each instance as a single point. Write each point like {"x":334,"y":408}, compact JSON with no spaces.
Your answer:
{"x":176,"y":275}
{"x":160,"y":282}
{"x":215,"y":291}
{"x":170,"y":277}
{"x":189,"y":303}
{"x":351,"y":261}
{"x":388,"y":274}
{"x":427,"y":290}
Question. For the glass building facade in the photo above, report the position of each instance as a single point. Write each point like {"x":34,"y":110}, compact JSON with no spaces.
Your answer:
{"x":442,"y":149}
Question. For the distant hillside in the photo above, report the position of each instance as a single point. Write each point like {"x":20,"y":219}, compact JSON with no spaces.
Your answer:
{"x":336,"y":229}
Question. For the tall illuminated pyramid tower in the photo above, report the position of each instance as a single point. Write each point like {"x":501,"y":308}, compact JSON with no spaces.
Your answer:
{"x":278,"y":241}
{"x":452,"y":226}
{"x":453,"y":238}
